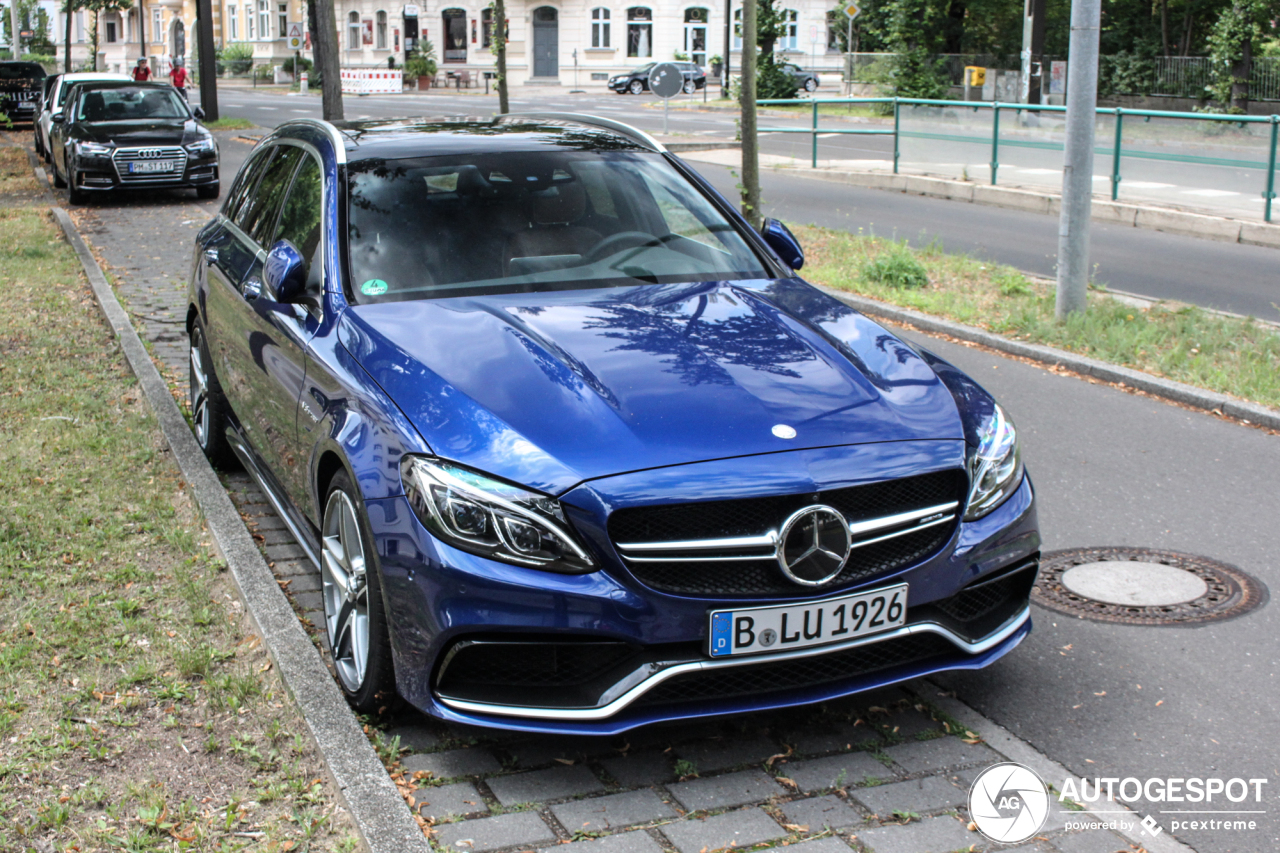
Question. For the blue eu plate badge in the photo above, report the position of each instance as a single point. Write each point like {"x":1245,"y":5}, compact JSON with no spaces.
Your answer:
{"x":721,"y":634}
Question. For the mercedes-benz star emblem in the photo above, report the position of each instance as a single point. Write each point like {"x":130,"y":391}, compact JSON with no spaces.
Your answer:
{"x":814,"y":545}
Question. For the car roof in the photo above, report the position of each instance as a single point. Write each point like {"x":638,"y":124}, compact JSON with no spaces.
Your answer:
{"x":443,"y":135}
{"x":78,"y":76}
{"x":124,"y":83}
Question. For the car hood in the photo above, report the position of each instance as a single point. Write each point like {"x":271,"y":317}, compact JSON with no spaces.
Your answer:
{"x":128,"y":134}
{"x":549,"y":390}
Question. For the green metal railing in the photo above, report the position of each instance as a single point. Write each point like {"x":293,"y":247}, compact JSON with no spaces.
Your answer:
{"x":1116,"y":151}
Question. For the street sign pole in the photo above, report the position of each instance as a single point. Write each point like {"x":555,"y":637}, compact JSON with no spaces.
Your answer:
{"x":851,"y":11}
{"x":666,"y":80}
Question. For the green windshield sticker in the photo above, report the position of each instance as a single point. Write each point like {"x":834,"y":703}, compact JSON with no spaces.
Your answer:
{"x":374,"y":287}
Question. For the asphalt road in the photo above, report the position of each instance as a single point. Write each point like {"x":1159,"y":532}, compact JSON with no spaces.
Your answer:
{"x":1226,"y":276}
{"x":1110,"y":468}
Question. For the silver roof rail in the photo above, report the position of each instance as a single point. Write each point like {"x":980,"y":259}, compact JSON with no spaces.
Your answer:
{"x":632,"y":133}
{"x":339,"y":141}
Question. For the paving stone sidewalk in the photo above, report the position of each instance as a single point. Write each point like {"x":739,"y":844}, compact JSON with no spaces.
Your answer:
{"x":880,"y":773}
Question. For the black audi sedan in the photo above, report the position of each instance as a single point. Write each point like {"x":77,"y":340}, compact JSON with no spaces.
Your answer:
{"x":637,"y":82}
{"x":20,"y":85}
{"x":126,"y":135}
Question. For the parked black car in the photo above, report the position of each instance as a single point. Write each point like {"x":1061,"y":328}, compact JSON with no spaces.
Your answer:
{"x":806,"y":80}
{"x":20,"y":87}
{"x":637,"y":81}
{"x":124,"y":135}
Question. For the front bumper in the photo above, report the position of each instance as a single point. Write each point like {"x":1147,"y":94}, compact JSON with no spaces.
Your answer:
{"x":104,"y":173}
{"x":441,"y":601}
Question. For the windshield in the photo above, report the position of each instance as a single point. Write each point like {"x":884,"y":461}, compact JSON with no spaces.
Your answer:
{"x":21,"y":71}
{"x":130,"y":104}
{"x":644,"y":69}
{"x":531,"y":222}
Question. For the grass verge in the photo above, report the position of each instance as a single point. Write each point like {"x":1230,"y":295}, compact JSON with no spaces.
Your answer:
{"x":1175,"y":341}
{"x":136,"y":710}
{"x":229,"y":123}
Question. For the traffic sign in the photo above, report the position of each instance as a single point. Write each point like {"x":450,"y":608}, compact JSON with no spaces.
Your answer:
{"x":295,"y":35}
{"x":666,"y":80}
{"x":852,"y":10}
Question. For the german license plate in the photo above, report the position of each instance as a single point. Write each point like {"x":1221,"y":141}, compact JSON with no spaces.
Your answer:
{"x":151,"y":166}
{"x":756,"y":630}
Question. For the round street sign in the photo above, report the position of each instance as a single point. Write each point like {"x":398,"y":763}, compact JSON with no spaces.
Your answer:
{"x":665,"y":80}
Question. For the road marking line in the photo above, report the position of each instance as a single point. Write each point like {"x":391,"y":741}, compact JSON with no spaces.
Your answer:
{"x":1210,"y":193}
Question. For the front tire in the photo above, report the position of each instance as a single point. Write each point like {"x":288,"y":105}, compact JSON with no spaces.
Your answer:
{"x":209,"y":407}
{"x":636,"y":87}
{"x":811,"y":85}
{"x":58,"y":181}
{"x":351,"y":587}
{"x":689,"y":87}
{"x":75,"y":195}
{"x":208,"y":191}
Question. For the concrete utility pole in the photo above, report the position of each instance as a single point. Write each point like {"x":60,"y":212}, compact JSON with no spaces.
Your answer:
{"x":66,"y":45}
{"x":208,"y":60}
{"x":326,"y":55}
{"x":750,"y":141}
{"x":1077,"y":171}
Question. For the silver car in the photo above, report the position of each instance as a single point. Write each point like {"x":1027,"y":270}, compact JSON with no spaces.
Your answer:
{"x":55,"y":95}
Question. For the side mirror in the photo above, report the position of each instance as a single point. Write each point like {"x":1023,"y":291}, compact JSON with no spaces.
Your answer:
{"x":284,"y":273}
{"x":782,"y":241}
{"x":56,"y":118}
{"x":198,"y":112}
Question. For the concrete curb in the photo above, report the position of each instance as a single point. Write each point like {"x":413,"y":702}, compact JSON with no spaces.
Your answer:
{"x":1016,"y":749}
{"x":1164,"y":388}
{"x":1152,"y":218}
{"x":379,"y":812}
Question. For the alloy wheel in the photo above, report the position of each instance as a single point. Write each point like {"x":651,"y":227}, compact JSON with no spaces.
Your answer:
{"x":199,"y":392}
{"x":345,"y":589}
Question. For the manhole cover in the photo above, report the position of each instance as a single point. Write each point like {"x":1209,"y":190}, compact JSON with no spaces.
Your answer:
{"x":1142,"y":586}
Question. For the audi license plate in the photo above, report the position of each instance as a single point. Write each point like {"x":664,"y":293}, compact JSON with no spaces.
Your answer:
{"x":139,"y":166}
{"x":755,"y":630}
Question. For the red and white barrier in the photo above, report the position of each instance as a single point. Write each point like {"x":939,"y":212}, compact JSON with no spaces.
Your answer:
{"x":372,"y":81}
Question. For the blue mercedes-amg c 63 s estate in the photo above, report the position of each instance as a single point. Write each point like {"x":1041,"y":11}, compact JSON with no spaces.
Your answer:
{"x":575,"y":448}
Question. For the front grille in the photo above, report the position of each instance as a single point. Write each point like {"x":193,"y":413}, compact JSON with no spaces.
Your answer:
{"x":124,"y":156}
{"x":763,"y":678}
{"x":971,"y":604}
{"x":697,"y":574}
{"x":531,"y":664}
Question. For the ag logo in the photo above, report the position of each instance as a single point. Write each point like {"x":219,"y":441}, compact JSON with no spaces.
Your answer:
{"x":1008,"y":802}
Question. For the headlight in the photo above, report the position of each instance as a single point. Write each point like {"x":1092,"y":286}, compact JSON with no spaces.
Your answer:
{"x":995,"y":466}
{"x":484,"y":516}
{"x":92,"y":149}
{"x":201,"y":146}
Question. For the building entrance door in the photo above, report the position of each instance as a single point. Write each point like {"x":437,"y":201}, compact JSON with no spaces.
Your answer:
{"x":546,"y":42}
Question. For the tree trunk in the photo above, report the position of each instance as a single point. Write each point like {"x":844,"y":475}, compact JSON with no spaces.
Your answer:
{"x":750,"y":142}
{"x":499,"y":39}
{"x":1187,"y":19}
{"x":1241,"y":72}
{"x":93,"y":40}
{"x":954,"y":28}
{"x":1164,"y":25}
{"x":326,"y":56}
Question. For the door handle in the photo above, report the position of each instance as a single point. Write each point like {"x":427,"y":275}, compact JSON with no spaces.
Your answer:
{"x":211,"y":256}
{"x":252,"y":288}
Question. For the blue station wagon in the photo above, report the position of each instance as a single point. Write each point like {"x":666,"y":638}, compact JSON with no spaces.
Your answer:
{"x":573,"y":445}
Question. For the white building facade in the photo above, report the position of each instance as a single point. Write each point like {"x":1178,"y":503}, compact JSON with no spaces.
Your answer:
{"x":545,"y":35}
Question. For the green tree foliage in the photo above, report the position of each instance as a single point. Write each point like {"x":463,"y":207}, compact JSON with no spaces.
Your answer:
{"x":771,"y":80}
{"x":1238,"y":35}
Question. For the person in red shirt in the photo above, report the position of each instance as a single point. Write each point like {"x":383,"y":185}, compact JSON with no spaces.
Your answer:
{"x":141,"y":71}
{"x":178,"y":77}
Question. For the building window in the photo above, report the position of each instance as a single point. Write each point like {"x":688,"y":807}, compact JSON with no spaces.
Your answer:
{"x":264,"y":19}
{"x":157,"y":26}
{"x":353,"y":31}
{"x":455,"y":35}
{"x":79,"y":26}
{"x":248,"y":22}
{"x":695,"y":35}
{"x":233,"y":23}
{"x":790,"y":30}
{"x":737,"y":29}
{"x":639,"y":32}
{"x":599,"y":27}
{"x":111,"y":31}
{"x":283,"y":18}
{"x":380,"y":31}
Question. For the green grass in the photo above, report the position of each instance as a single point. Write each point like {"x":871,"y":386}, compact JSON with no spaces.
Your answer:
{"x":127,"y":725}
{"x":230,"y":123}
{"x":1180,"y":342}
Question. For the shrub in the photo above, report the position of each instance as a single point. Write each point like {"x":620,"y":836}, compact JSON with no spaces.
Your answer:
{"x":236,"y":58}
{"x":896,"y":267}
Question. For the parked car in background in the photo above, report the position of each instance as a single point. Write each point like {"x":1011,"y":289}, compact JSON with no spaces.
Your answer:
{"x":573,"y":446}
{"x":20,"y":86}
{"x":807,"y":80}
{"x":55,"y":95}
{"x":112,"y":136}
{"x":637,"y":82}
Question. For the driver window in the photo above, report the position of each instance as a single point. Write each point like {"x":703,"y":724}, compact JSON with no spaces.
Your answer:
{"x":300,"y":219}
{"x":258,"y":217}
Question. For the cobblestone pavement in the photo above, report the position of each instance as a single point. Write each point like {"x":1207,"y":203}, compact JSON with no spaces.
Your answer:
{"x":882,"y":772}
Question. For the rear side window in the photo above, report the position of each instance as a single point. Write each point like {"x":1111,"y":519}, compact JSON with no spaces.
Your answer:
{"x":258,"y":217}
{"x":244,"y":184}
{"x":300,"y":219}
